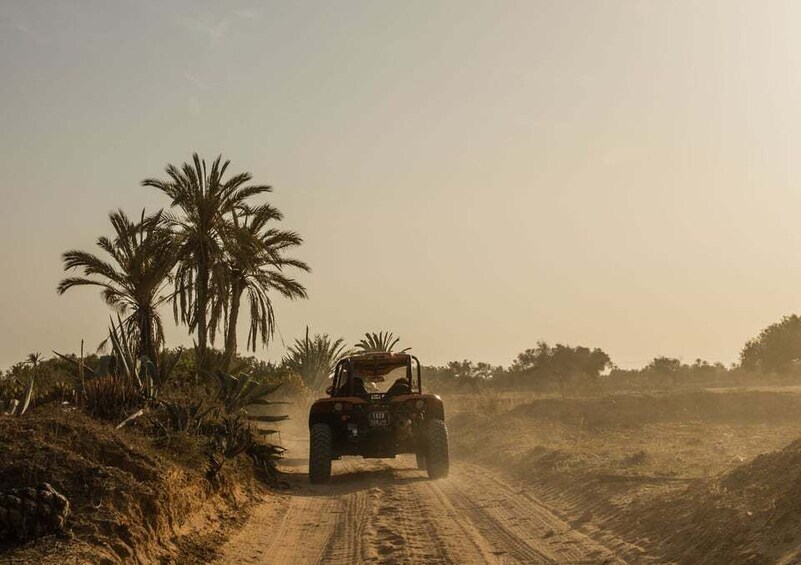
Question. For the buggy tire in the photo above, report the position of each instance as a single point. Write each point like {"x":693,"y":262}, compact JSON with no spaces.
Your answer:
{"x":320,"y":443}
{"x":421,"y":460}
{"x":437,"y":456}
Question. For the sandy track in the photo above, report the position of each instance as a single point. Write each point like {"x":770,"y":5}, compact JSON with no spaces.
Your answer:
{"x":386,"y":511}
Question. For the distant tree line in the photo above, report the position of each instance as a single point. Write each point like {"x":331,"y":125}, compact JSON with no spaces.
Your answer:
{"x":543,"y":368}
{"x":773,"y":356}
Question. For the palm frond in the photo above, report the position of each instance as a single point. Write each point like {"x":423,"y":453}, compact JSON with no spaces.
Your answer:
{"x":379,"y":342}
{"x":141,"y":256}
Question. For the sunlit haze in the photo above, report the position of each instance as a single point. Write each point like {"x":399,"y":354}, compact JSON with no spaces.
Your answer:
{"x":472,"y":176}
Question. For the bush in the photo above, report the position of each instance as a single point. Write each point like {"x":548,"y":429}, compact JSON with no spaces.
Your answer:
{"x":111,"y":397}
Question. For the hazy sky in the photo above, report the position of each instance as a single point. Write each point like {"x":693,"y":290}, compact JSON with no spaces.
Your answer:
{"x":474,"y":176}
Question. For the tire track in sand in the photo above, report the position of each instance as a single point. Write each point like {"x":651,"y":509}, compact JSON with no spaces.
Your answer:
{"x":386,"y":511}
{"x":511,"y":527}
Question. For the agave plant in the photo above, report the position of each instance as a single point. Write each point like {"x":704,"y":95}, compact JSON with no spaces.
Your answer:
{"x":235,"y":435}
{"x":149,"y":375}
{"x":17,"y":408}
{"x":123,"y":381}
{"x":313,"y":359}
{"x":236,"y":394}
{"x":264,"y":456}
{"x":383,"y":342}
{"x":232,"y":438}
{"x":83,"y":368}
{"x":103,"y":392}
{"x":186,"y":417}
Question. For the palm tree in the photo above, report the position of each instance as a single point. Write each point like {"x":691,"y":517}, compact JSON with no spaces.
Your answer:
{"x":255,"y":263}
{"x":379,"y":342}
{"x":141,"y":257}
{"x":313,"y":359}
{"x":33,"y":359}
{"x":204,"y":199}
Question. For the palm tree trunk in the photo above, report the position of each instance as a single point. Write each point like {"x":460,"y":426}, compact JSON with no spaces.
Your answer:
{"x":147,"y":343}
{"x":233,"y":318}
{"x":201,"y":307}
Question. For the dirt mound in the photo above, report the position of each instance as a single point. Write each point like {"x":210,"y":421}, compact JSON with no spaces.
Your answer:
{"x":699,"y":406}
{"x":752,"y":513}
{"x":130,"y":501}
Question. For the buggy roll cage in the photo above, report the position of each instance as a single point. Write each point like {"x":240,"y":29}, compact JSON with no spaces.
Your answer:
{"x":350,"y":366}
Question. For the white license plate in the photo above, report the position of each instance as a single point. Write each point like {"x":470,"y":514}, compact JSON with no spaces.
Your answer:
{"x":379,"y":418}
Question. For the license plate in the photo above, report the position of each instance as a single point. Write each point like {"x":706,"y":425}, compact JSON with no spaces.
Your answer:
{"x":379,"y":419}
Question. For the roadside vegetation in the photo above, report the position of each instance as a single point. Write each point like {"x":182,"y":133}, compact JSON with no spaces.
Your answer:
{"x":163,"y":417}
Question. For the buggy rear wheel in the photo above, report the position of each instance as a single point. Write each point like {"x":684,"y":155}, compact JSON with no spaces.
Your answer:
{"x":437,"y":457}
{"x":421,"y":460}
{"x":320,"y":454}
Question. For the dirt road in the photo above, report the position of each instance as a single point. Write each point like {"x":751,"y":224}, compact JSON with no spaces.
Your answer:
{"x":386,"y":511}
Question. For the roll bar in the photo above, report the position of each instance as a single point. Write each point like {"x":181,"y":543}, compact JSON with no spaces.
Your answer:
{"x":347,"y":363}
